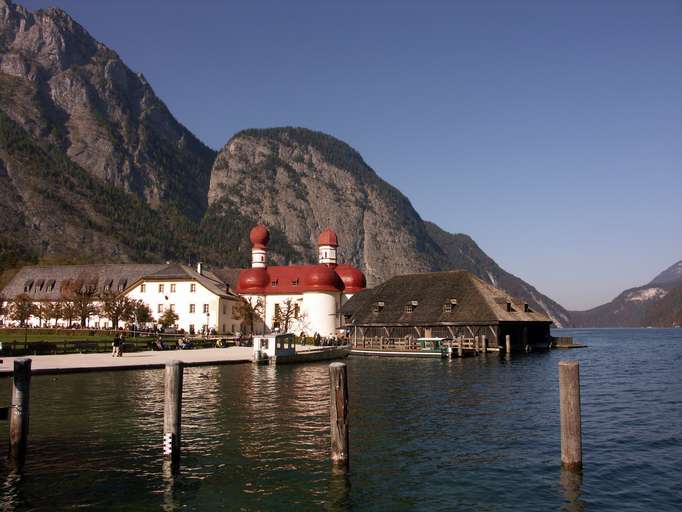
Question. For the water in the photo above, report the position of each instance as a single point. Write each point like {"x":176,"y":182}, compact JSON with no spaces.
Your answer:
{"x":472,"y":434}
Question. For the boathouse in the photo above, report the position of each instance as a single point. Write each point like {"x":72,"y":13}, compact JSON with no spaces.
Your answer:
{"x":445,"y":305}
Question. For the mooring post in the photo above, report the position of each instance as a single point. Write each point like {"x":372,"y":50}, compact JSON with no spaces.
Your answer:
{"x":571,"y":429}
{"x":484,"y":344}
{"x":172,"y":410}
{"x":460,"y":350}
{"x":19,"y":410}
{"x":338,"y":414}
{"x":507,"y":344}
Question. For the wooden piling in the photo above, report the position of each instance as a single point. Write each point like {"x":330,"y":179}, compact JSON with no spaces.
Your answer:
{"x":338,"y":414}
{"x":172,"y":410}
{"x":460,"y":350}
{"x":484,"y":345}
{"x":19,"y":410}
{"x":507,"y":344}
{"x":571,"y":429}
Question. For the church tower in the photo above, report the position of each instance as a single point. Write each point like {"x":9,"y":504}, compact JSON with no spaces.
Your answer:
{"x":260,"y":236}
{"x":327,"y":247}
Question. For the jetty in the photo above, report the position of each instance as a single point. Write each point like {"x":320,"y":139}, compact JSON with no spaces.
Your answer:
{"x":77,"y":363}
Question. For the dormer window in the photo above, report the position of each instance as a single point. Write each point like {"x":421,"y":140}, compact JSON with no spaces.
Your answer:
{"x":409,"y":308}
{"x":295,"y":282}
{"x":28,"y":285}
{"x":449,"y":306}
{"x":378,"y":307}
{"x":274,"y":283}
{"x":526,"y":309}
{"x":510,"y":309}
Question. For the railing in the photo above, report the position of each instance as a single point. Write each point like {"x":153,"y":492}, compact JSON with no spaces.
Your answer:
{"x":409,"y":344}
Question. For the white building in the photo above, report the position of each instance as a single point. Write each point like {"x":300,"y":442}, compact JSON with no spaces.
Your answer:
{"x":312,"y":295}
{"x":198,"y":297}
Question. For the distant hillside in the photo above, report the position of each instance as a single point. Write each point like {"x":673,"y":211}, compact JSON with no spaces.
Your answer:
{"x":654,"y":304}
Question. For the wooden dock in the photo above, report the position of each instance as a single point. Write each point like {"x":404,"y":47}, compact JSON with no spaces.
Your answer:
{"x":401,"y":347}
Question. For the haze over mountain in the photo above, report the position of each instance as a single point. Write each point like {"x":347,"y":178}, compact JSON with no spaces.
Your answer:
{"x":658,"y":303}
{"x":94,"y":167}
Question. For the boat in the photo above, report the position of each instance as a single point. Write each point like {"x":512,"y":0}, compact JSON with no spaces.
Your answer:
{"x":276,"y":349}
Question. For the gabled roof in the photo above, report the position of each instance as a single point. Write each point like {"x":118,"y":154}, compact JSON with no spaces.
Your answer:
{"x":472,"y":301}
{"x":56,"y":277}
{"x":177,"y":272}
{"x":47,"y":282}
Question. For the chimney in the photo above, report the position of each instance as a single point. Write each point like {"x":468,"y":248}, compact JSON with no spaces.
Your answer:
{"x":199,"y":268}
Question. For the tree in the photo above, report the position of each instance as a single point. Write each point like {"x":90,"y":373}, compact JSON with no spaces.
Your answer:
{"x":4,"y":306}
{"x":117,"y":308}
{"x":22,"y":309}
{"x":54,"y":311}
{"x":81,"y":295}
{"x":69,"y":311}
{"x":248,"y":313}
{"x":141,"y":312}
{"x":42,"y":311}
{"x":285,"y":313}
{"x":168,"y":319}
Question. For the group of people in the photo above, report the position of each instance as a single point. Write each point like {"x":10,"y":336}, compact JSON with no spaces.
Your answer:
{"x":319,"y":341}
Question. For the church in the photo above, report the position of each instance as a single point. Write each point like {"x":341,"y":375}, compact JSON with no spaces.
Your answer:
{"x":299,"y":298}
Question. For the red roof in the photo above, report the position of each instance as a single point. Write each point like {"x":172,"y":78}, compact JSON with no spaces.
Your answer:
{"x":260,"y":236}
{"x":328,"y":237}
{"x":293,"y":279}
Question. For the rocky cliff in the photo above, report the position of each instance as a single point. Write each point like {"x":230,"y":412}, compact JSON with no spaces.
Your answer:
{"x":300,"y":181}
{"x":65,"y":88}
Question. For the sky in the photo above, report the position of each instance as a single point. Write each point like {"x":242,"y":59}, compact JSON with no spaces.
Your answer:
{"x":550,"y":132}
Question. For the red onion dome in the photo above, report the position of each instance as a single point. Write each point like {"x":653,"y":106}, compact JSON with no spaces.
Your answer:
{"x":321,"y":278}
{"x":260,"y":236}
{"x":252,"y":280}
{"x":353,"y":278}
{"x":328,"y":237}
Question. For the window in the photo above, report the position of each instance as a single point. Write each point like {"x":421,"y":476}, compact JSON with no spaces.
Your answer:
{"x":447,"y":308}
{"x":172,"y":308}
{"x":274,"y":283}
{"x":378,"y":307}
{"x":160,"y":288}
{"x":409,"y":308}
{"x":192,"y":288}
{"x":143,"y":288}
{"x":173,"y":288}
{"x":205,"y":308}
{"x":159,"y":308}
{"x":295,"y":282}
{"x":192,"y":308}
{"x":297,"y":310}
{"x":224,"y":310}
{"x":277,"y":310}
{"x":191,"y":329}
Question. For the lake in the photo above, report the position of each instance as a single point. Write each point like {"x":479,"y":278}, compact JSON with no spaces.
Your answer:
{"x":468,"y":434}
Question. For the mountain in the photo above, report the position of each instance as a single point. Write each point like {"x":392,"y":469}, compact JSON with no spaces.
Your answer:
{"x":64,"y":87}
{"x":94,"y":168}
{"x":299,"y":181}
{"x":654,"y":304}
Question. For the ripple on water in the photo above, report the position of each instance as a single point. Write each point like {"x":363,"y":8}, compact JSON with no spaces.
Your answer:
{"x":472,"y":434}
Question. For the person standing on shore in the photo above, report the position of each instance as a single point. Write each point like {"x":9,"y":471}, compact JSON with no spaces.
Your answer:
{"x":115,"y":346}
{"x":120,"y":345}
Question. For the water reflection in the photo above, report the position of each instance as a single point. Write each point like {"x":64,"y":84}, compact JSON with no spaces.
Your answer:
{"x":571,"y":482}
{"x":11,"y":491}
